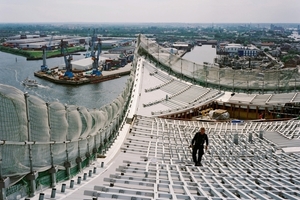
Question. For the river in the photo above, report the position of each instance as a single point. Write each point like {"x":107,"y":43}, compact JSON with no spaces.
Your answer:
{"x":14,"y":69}
{"x":200,"y":54}
{"x":295,"y":35}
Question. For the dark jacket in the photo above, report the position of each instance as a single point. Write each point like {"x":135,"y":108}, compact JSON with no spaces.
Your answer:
{"x":199,"y":139}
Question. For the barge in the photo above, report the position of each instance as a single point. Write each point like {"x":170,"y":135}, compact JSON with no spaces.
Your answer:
{"x":55,"y":76}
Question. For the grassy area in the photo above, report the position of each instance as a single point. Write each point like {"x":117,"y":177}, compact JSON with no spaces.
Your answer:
{"x":53,"y":53}
{"x":39,"y":54}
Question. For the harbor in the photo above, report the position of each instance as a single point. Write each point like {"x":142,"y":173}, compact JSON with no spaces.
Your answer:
{"x":14,"y":73}
{"x":89,"y":69}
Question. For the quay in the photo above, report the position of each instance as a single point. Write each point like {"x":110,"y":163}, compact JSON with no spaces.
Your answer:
{"x":80,"y":80}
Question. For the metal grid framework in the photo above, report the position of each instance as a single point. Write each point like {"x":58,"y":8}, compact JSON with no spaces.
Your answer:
{"x":263,"y":99}
{"x":240,"y":164}
{"x":181,"y":95}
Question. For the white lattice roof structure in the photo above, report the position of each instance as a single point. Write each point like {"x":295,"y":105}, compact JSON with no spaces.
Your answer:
{"x":151,"y":158}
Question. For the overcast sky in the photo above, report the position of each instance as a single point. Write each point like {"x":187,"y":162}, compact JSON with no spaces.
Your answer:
{"x":187,"y":11}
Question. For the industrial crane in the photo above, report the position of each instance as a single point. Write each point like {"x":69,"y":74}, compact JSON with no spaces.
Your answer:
{"x":44,"y":67}
{"x":87,"y":53}
{"x":68,"y":59}
{"x":95,"y":58}
{"x":92,"y":45}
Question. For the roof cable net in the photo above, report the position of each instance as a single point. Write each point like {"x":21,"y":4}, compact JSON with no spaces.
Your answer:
{"x":52,"y":133}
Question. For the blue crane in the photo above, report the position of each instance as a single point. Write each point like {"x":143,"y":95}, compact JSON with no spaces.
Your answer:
{"x":44,"y":67}
{"x":94,"y":57}
{"x":96,"y":60}
{"x":68,"y":59}
{"x":92,"y":45}
{"x":88,"y":53}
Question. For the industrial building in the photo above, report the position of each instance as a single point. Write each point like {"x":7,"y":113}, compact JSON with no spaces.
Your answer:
{"x":40,"y":42}
{"x":122,"y":49}
{"x":37,"y":43}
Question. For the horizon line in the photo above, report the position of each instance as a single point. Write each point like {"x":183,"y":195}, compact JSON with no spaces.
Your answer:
{"x":150,"y":23}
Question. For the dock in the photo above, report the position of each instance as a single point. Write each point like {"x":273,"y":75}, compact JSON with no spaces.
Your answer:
{"x":80,"y":80}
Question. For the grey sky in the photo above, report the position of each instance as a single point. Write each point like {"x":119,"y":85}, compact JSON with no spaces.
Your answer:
{"x":189,"y":11}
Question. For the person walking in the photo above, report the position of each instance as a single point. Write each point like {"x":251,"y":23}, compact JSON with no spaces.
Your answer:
{"x":198,"y":145}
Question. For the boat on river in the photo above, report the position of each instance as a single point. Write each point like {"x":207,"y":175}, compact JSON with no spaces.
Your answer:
{"x":29,"y":82}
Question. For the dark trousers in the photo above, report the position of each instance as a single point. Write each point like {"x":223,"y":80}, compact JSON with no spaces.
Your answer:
{"x":200,"y":153}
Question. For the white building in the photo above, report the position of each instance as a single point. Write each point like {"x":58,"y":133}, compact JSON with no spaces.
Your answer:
{"x":232,"y":49}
